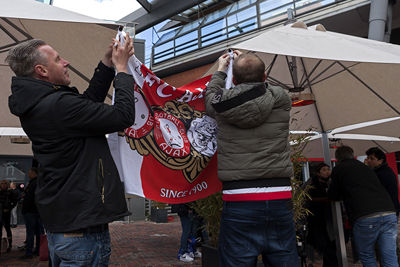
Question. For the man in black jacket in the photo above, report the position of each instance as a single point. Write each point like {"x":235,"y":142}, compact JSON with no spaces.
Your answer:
{"x":368,"y":206}
{"x":376,"y":160}
{"x":78,"y":189}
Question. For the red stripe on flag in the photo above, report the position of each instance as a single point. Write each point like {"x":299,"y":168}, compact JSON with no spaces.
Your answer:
{"x":257,"y":196}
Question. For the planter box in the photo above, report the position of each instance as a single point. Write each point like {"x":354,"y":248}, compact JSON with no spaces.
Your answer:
{"x":159,"y":215}
{"x":209,"y":256}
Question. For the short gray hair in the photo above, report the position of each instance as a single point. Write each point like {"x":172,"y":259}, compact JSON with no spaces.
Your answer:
{"x":23,"y":58}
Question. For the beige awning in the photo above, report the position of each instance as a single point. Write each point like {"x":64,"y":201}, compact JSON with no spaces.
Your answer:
{"x":80,"y":39}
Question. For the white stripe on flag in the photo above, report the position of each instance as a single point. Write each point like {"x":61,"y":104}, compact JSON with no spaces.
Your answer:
{"x":257,"y":190}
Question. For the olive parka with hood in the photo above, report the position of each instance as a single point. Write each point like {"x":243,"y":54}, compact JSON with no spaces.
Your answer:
{"x":253,"y":129}
{"x":78,"y":184}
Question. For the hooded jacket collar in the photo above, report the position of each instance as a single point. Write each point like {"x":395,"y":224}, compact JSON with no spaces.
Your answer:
{"x":28,"y":92}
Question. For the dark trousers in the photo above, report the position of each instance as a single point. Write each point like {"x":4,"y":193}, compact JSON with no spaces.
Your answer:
{"x":33,"y":228}
{"x":186,"y":222}
{"x":5,"y":221}
{"x":329,"y":255}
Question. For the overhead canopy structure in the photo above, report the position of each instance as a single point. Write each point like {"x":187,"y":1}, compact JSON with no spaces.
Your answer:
{"x":156,"y":11}
{"x":80,"y":39}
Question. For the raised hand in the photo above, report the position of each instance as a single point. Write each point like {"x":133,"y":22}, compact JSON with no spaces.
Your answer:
{"x":122,"y":53}
{"x":223,"y":62}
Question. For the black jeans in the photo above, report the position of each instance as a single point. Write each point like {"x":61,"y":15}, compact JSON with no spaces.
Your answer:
{"x":33,"y":228}
{"x":5,"y":221}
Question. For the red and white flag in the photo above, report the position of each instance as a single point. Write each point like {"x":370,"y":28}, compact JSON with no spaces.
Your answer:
{"x":169,"y":154}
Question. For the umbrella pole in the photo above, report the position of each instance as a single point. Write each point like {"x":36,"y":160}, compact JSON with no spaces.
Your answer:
{"x":336,"y":212}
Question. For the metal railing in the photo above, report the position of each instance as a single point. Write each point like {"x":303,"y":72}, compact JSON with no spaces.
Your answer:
{"x":240,"y":17}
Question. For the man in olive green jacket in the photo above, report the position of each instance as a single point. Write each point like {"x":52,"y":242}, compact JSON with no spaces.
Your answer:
{"x":253,"y":165}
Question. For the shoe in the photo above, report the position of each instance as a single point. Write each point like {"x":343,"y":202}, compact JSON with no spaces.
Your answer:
{"x":26,"y":257}
{"x":197,"y":254}
{"x":8,"y":249}
{"x":186,"y":258}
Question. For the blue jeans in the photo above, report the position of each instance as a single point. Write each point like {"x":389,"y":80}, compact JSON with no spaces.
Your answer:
{"x":186,"y":222}
{"x":251,"y":228}
{"x":79,"y":249}
{"x":381,"y":230}
{"x":33,"y":228}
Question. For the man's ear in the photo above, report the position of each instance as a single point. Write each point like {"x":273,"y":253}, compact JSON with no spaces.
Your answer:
{"x":41,"y":71}
{"x":264,"y":77}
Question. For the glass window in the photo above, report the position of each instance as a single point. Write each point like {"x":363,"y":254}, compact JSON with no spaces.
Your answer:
{"x":190,"y":26}
{"x":307,"y":5}
{"x":186,"y":47}
{"x":242,"y":15}
{"x":161,"y":48}
{"x":217,"y":14}
{"x":241,"y":4}
{"x":167,"y":36}
{"x":186,"y":38}
{"x":273,"y":11}
{"x":160,"y":59}
{"x":214,"y":32}
{"x":269,"y":5}
{"x":245,"y":26}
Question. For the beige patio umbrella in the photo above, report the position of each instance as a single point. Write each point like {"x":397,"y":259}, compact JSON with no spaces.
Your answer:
{"x":389,"y":127}
{"x":359,"y":142}
{"x":80,"y":39}
{"x":352,"y":79}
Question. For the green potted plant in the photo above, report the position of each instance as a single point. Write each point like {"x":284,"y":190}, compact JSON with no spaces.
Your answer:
{"x":159,"y":213}
{"x":210,"y":208}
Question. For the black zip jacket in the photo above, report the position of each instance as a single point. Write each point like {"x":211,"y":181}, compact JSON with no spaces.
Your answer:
{"x":78,"y":184}
{"x":8,"y":200}
{"x":389,"y":180}
{"x":29,"y":201}
{"x":359,"y":187}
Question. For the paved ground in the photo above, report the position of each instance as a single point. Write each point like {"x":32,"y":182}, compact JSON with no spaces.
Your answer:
{"x":138,"y":244}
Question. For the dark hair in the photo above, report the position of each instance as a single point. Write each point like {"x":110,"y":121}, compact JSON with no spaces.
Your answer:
{"x":377,"y":152}
{"x":248,"y":68}
{"x":320,"y":166}
{"x":344,"y":152}
{"x":24,"y":57}
{"x":35,"y":170}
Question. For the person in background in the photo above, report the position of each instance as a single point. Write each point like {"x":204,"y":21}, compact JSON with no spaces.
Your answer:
{"x":187,"y":251}
{"x":320,"y":224}
{"x":368,"y":206}
{"x":14,"y":212}
{"x":8,"y":200}
{"x":33,"y":224}
{"x":376,"y":160}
